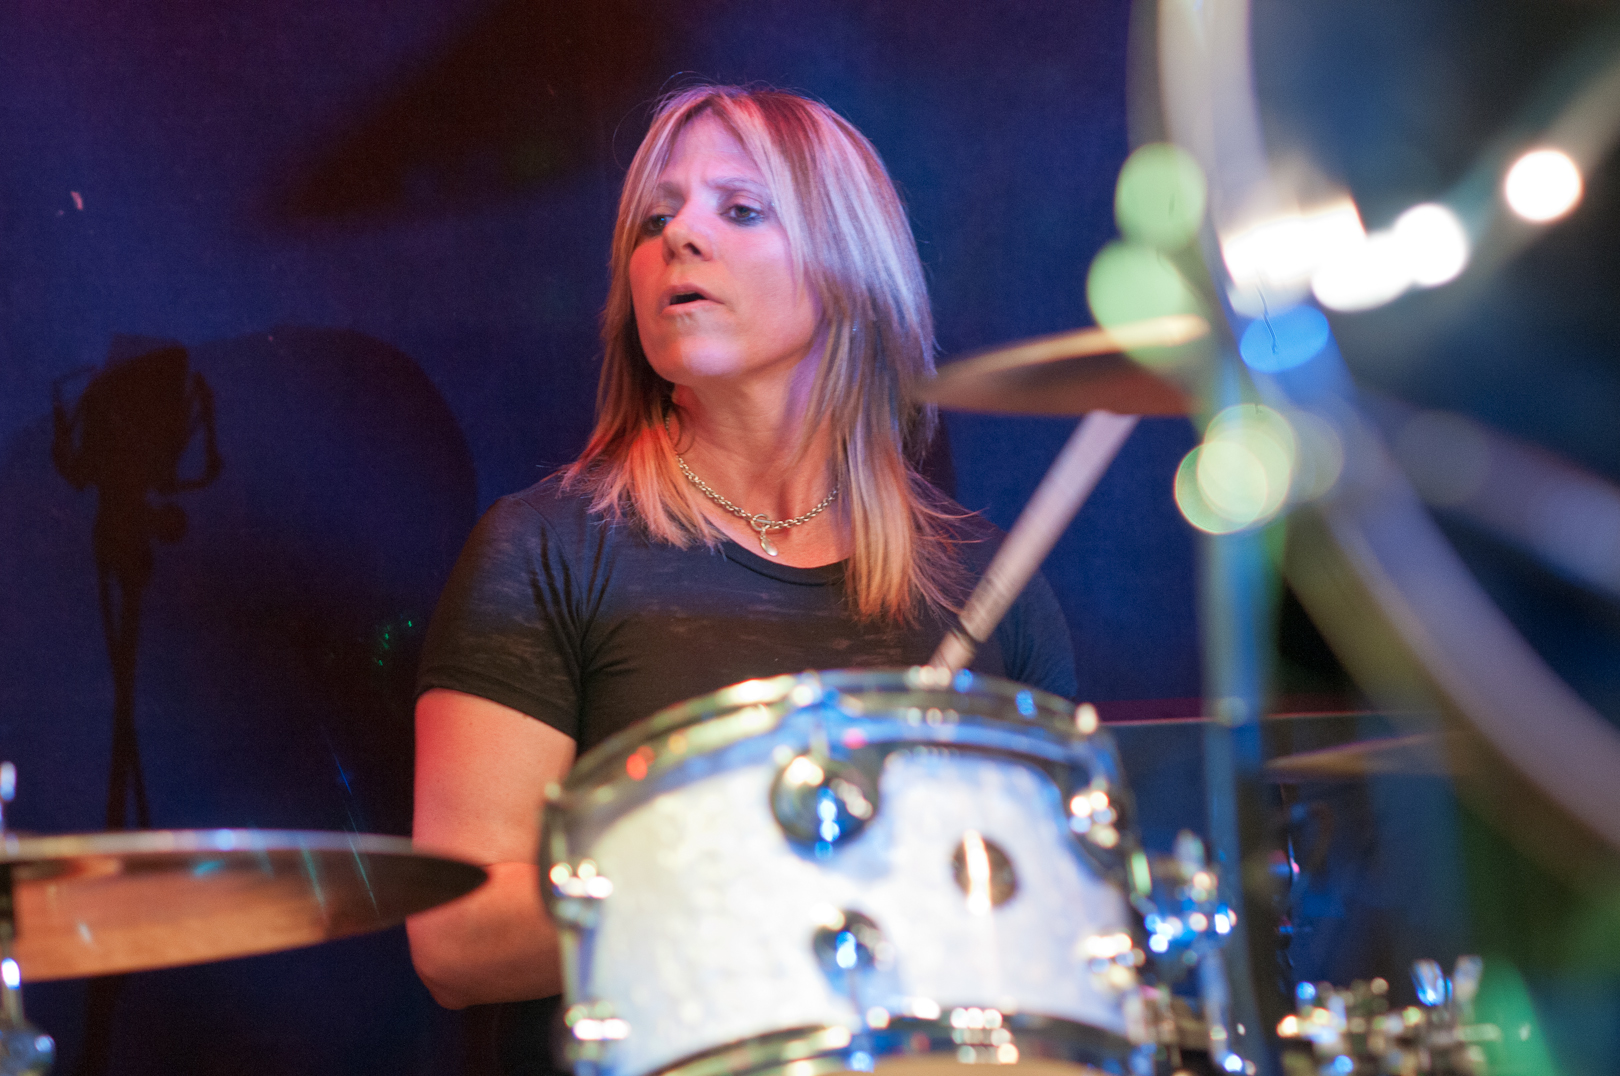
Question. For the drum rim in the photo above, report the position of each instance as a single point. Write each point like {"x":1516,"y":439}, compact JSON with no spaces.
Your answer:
{"x":816,"y":1050}
{"x":767,"y":699}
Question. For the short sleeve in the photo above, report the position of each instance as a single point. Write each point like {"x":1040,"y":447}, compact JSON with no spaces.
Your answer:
{"x":507,"y":627}
{"x":1035,"y":643}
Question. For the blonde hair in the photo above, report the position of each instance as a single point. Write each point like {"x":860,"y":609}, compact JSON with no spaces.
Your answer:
{"x":849,"y":236}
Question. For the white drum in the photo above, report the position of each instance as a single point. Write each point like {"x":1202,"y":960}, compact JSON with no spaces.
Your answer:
{"x":847,"y":870}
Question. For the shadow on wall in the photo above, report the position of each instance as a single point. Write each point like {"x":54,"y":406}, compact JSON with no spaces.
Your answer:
{"x":529,"y":92}
{"x":271,"y":683}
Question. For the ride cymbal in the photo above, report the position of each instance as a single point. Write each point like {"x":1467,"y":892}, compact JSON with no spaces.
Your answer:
{"x":1069,"y":373}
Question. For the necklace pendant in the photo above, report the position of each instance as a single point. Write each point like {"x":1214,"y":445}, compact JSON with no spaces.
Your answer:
{"x":767,"y":545}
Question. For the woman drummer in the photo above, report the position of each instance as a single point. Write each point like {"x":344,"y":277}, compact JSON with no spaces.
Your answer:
{"x":746,"y":506}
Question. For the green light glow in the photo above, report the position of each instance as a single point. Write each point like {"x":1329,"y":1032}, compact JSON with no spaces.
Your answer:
{"x":1160,"y":197}
{"x":1240,"y":476}
{"x":1131,"y":282}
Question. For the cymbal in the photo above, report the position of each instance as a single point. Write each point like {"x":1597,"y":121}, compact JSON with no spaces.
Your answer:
{"x":1069,"y":373}
{"x":103,"y":903}
{"x":1423,"y":754}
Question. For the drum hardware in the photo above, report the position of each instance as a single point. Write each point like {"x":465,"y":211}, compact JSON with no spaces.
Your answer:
{"x":848,"y":943}
{"x":25,"y":1050}
{"x":98,"y":904}
{"x":1092,"y":815}
{"x":821,"y":801}
{"x":1187,"y":923}
{"x":593,"y":1028}
{"x":1354,"y":1031}
{"x":724,"y":947}
{"x":577,"y":892}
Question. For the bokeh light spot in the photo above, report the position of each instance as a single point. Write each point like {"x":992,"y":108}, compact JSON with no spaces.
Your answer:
{"x":1240,"y":476}
{"x":1435,"y":242}
{"x":1370,"y":275}
{"x":1130,"y":282}
{"x":1160,"y":197}
{"x":1190,"y":499}
{"x":1542,"y":185}
{"x":1233,"y":480}
{"x":1283,"y":252}
{"x":1284,"y":340}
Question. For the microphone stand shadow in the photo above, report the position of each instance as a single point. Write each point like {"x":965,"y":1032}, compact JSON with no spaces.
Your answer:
{"x":127,"y":435}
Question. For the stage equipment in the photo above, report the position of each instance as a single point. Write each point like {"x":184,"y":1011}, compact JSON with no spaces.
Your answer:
{"x":837,"y":870}
{"x":98,"y":904}
{"x":1355,"y":1030}
{"x":1069,"y":373}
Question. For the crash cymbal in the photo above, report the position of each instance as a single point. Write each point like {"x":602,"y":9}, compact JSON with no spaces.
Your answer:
{"x":102,"y":903}
{"x":1069,"y":373}
{"x":1423,"y":753}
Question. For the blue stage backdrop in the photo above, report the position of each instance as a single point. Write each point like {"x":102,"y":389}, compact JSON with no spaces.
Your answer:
{"x":347,"y":261}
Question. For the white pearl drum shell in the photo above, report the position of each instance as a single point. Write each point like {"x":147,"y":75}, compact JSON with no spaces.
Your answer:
{"x":706,"y":939}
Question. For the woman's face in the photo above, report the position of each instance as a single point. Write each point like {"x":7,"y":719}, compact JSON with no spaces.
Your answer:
{"x":713,"y":286}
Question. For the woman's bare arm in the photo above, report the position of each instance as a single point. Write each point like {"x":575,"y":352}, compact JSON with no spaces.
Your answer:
{"x":481,"y":774}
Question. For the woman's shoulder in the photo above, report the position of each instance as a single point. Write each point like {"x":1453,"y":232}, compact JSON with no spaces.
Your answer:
{"x":549,"y":507}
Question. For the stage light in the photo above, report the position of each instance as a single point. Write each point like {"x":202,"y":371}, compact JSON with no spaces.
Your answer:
{"x":1542,"y":185}
{"x":1283,"y":252}
{"x":1365,"y":277}
{"x":1434,"y":242}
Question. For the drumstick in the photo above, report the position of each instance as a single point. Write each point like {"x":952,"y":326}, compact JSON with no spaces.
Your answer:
{"x":1090,"y":450}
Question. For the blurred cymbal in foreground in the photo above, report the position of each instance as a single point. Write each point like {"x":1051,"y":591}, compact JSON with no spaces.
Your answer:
{"x":98,"y":904}
{"x":1069,"y":373}
{"x":1423,"y":754}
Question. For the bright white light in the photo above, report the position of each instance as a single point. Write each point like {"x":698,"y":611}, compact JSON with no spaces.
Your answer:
{"x":1542,"y":185}
{"x":1435,"y":243}
{"x":11,"y":973}
{"x":1286,"y":251}
{"x":1368,"y":276}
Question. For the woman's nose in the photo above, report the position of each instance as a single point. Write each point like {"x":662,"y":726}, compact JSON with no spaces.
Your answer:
{"x":685,"y":235}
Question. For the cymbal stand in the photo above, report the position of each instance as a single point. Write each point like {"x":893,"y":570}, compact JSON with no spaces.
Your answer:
{"x":25,"y":1050}
{"x":1235,"y":621}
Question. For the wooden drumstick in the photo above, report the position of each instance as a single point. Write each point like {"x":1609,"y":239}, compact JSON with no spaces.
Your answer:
{"x":1073,"y":476}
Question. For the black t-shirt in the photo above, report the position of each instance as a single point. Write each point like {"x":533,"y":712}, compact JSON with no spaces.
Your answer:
{"x":591,"y":627}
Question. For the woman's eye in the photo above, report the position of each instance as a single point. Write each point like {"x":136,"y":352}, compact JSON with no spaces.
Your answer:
{"x":745,"y":214}
{"x":654,"y":225}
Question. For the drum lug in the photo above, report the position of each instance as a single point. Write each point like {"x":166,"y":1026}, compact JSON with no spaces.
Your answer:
{"x":850,"y":943}
{"x":1095,"y":816}
{"x":1098,"y":804}
{"x":821,"y":802}
{"x":1184,"y":915}
{"x":576,"y":892}
{"x":592,"y":1030}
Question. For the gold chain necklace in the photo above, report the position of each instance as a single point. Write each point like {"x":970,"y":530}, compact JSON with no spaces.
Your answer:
{"x":761,"y":523}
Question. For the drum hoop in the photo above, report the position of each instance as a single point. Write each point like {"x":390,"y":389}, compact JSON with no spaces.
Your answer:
{"x":815,"y":1051}
{"x":753,"y":707}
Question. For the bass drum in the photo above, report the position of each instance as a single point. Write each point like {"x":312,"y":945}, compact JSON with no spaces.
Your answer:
{"x":847,"y":871}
